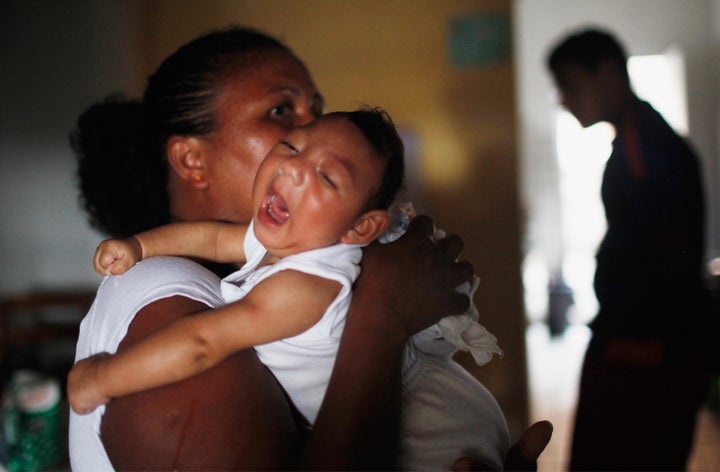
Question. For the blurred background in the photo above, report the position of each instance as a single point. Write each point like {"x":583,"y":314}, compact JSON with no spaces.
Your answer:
{"x":490,"y":154}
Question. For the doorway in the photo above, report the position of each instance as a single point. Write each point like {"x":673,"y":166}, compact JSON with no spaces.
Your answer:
{"x":554,"y":359}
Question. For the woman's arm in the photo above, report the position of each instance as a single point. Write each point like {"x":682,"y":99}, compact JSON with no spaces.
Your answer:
{"x":194,"y":344}
{"x":404,"y":287}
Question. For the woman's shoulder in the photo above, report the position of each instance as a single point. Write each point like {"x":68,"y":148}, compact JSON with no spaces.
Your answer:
{"x":168,"y":275}
{"x":120,"y":298}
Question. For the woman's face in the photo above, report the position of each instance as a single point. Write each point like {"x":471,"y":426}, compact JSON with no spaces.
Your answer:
{"x":255,"y":110}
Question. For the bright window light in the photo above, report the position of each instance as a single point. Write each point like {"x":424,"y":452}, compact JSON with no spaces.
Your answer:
{"x":660,"y":80}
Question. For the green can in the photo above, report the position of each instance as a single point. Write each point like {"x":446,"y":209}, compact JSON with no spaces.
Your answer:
{"x":32,"y":426}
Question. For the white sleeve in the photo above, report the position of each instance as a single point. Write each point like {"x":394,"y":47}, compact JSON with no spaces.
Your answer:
{"x":446,"y":414}
{"x":119,"y":298}
{"x":117,"y":301}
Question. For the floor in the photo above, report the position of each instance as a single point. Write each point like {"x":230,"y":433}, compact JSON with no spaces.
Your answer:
{"x":554,"y":365}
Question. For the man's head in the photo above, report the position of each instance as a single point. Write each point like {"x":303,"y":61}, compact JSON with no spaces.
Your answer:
{"x":590,"y":71}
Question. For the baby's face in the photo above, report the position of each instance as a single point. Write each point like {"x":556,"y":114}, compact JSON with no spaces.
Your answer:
{"x":313,"y":185}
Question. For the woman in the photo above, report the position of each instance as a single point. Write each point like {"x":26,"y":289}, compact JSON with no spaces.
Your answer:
{"x":188,"y":152}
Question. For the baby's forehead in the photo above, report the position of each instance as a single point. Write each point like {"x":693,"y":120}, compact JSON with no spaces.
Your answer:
{"x":337,"y":131}
{"x":338,"y":134}
{"x":325,"y":121}
{"x":339,"y":125}
{"x":333,"y":117}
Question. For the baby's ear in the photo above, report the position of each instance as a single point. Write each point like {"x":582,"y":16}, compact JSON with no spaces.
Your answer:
{"x":367,"y":228}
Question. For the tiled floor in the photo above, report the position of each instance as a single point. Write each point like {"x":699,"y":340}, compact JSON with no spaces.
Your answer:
{"x":554,"y":365}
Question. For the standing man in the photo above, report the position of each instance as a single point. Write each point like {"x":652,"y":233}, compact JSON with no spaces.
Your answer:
{"x":643,"y":379}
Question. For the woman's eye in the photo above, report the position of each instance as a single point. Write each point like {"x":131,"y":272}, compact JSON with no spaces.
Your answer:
{"x":317,"y":105}
{"x":317,"y":109}
{"x":281,"y":110}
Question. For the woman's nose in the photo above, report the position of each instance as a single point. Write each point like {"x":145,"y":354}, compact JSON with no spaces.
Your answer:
{"x":304,"y":114}
{"x":304,"y":117}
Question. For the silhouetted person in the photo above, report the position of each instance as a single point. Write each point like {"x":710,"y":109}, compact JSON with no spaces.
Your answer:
{"x":642,"y":380}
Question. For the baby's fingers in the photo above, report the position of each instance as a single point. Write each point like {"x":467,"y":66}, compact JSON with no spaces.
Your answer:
{"x":104,"y":256}
{"x":107,"y":261}
{"x":82,"y":392}
{"x":120,"y":266}
{"x":81,"y":410}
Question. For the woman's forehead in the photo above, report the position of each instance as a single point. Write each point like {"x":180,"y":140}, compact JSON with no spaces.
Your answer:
{"x":267,"y":86}
{"x":275,"y":70}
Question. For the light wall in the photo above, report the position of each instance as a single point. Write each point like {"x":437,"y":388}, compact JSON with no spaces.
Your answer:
{"x":58,"y":57}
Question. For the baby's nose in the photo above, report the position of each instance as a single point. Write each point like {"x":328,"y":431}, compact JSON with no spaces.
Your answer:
{"x":294,"y":169}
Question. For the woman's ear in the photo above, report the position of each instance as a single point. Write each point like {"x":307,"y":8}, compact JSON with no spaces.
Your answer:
{"x":185,"y":156}
{"x":367,"y":228}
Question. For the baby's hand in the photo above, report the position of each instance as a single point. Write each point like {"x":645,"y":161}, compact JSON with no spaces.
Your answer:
{"x":116,"y":256}
{"x":82,"y":386}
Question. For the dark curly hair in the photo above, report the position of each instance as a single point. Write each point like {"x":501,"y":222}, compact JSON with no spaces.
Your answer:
{"x":120,"y":144}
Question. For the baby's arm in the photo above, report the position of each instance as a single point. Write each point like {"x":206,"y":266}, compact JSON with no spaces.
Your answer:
{"x":211,"y":240}
{"x":283,"y":305}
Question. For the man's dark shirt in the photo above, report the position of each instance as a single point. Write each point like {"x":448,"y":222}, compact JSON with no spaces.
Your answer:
{"x":649,"y":266}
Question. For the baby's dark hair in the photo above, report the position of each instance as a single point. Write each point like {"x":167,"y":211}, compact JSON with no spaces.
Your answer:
{"x":120,"y":144}
{"x":379,"y":129}
{"x":587,"y":48}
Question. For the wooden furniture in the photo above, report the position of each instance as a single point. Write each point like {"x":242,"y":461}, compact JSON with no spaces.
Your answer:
{"x":39,"y":331}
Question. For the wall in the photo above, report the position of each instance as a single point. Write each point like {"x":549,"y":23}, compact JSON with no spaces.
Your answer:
{"x":57,"y":58}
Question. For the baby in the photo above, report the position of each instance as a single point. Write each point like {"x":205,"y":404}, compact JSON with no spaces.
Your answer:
{"x":319,"y":196}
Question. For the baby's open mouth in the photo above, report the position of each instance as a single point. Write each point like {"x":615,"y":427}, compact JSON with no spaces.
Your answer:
{"x":276,"y":208}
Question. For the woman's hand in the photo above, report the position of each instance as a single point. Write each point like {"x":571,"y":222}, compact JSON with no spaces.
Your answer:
{"x":404,"y":287}
{"x":523,"y":455}
{"x":82,"y":385}
{"x":417,"y":276}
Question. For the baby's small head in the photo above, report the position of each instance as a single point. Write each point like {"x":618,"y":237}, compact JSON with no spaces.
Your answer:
{"x":329,"y":181}
{"x":379,"y":130}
